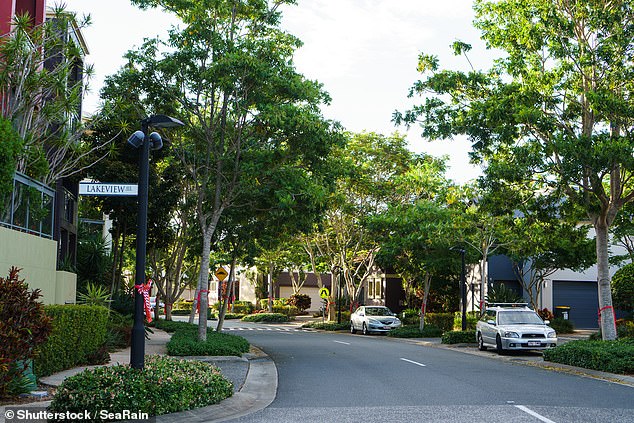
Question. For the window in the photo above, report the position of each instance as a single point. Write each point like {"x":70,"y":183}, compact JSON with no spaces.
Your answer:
{"x":30,"y":208}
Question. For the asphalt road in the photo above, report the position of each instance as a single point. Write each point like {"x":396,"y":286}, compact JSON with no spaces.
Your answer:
{"x":338,"y":377}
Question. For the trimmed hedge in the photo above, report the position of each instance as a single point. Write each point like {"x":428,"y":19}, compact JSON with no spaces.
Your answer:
{"x":79,"y":332}
{"x":413,"y":331}
{"x":171,"y":326}
{"x":184,"y":342}
{"x":266,"y":317}
{"x":459,"y":337}
{"x":165,"y":385}
{"x":444,"y":321}
{"x":607,"y":356}
{"x":472,"y":320}
{"x":330,"y":326}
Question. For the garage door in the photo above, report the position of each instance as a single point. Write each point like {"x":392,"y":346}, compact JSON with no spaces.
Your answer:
{"x":583,"y":300}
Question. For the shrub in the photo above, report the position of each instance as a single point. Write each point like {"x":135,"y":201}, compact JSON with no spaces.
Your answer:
{"x":266,"y":317}
{"x":165,"y":385}
{"x":94,"y":295}
{"x":185,"y":305}
{"x":170,"y":326}
{"x":608,"y":356}
{"x":287,"y":310}
{"x":625,"y":328}
{"x":330,"y":326}
{"x":79,"y":332}
{"x":546,"y":314}
{"x":23,"y":326}
{"x":500,"y":293}
{"x":411,"y":316}
{"x":119,"y":334}
{"x":459,"y":337}
{"x":122,"y":303}
{"x":623,"y":288}
{"x":443,"y":321}
{"x":242,"y":307}
{"x":562,"y":325}
{"x":472,"y":319}
{"x":181,"y":312}
{"x":301,"y":301}
{"x":280,"y":302}
{"x":413,"y":331}
{"x":185,"y":342}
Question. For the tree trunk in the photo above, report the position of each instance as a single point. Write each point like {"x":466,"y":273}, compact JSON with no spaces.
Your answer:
{"x":606,"y":311}
{"x":270,"y":280}
{"x":423,"y":308}
{"x":204,"y":286}
{"x":222,"y":312}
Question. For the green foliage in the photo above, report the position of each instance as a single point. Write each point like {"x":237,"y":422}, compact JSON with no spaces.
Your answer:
{"x":607,"y":356}
{"x":164,"y":385}
{"x":623,"y":288}
{"x":79,"y":333}
{"x":288,"y":310}
{"x":562,"y":325}
{"x":459,"y":337}
{"x":119,"y":333}
{"x":184,"y":342}
{"x":266,"y":317}
{"x":500,"y":293}
{"x":24,"y":326}
{"x":443,"y":321}
{"x":95,"y":295}
{"x":300,"y":301}
{"x":472,"y":319}
{"x":410,"y":316}
{"x":94,"y":262}
{"x":625,"y":329}
{"x":328,"y":326}
{"x":10,"y":148}
{"x":122,"y":303}
{"x":413,"y":331}
{"x":242,"y":307}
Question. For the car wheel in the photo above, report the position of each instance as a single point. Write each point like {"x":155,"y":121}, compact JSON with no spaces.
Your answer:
{"x":498,"y":345}
{"x":365,"y":329}
{"x":352,"y":329}
{"x":481,"y":346}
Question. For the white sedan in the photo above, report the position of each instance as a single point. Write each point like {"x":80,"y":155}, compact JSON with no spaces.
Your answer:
{"x":373,"y":319}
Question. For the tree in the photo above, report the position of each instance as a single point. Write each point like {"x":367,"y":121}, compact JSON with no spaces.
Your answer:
{"x":41,"y":96}
{"x":623,"y":288}
{"x":556,"y":109}
{"x":230,"y":71}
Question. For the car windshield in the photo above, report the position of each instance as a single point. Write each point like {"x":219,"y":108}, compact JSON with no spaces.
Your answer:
{"x":519,"y":318}
{"x":378,"y":311}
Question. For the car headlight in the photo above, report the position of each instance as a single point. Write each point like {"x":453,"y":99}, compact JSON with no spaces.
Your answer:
{"x":551,"y":334}
{"x":397,"y":322}
{"x":511,"y":335}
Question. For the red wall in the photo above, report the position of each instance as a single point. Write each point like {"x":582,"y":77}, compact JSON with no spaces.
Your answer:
{"x":10,"y":8}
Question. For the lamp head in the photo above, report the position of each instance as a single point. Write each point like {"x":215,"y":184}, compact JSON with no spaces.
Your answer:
{"x":136,"y":139}
{"x":156,"y":142}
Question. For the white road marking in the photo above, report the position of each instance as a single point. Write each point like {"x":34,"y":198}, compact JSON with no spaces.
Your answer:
{"x":341,"y":342}
{"x":414,"y":362}
{"x":534,"y":414}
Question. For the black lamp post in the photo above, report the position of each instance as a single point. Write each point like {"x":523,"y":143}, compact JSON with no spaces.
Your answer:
{"x":145,"y":141}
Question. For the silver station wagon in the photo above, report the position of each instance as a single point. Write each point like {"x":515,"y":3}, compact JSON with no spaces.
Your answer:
{"x":508,"y":327}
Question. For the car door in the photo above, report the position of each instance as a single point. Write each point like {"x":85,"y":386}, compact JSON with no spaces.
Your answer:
{"x":488,"y":330}
{"x":355,"y":318}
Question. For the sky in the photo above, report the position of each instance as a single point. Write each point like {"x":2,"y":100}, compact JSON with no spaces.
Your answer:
{"x":364,"y":52}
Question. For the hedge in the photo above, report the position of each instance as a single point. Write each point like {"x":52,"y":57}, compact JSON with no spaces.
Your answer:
{"x":607,"y":356}
{"x":184,"y":342}
{"x":459,"y":337}
{"x":413,"y":331}
{"x":329,"y":326}
{"x":444,"y":321}
{"x":165,"y":385}
{"x":266,"y":317}
{"x":79,"y":332}
{"x":562,"y":325}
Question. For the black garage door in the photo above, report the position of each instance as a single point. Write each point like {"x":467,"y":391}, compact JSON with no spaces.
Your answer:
{"x":583,"y":300}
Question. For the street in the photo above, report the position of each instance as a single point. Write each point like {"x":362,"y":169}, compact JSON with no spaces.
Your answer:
{"x":325,"y":377}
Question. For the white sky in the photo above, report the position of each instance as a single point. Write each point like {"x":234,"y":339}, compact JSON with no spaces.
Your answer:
{"x":363,"y":51}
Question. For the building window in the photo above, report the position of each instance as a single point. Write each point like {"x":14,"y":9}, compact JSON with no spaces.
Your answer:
{"x":30,"y":207}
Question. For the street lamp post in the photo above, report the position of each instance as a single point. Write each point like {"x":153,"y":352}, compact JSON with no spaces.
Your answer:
{"x":145,"y":141}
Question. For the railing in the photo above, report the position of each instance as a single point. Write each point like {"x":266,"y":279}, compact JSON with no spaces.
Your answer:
{"x":29,"y":208}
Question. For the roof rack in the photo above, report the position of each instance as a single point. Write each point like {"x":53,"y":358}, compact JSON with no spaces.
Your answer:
{"x":507,"y":304}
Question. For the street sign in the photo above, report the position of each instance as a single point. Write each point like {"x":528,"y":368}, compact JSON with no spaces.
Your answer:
{"x":324,"y":293}
{"x":108,"y":189}
{"x":221,"y":274}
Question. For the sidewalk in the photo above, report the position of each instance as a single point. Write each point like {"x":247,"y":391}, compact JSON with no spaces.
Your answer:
{"x":254,"y":377}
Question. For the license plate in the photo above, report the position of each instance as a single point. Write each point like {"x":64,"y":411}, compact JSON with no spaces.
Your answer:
{"x":534,"y":343}
{"x":387,"y":327}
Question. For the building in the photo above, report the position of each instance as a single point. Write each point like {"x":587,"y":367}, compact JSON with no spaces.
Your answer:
{"x":41,"y":236}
